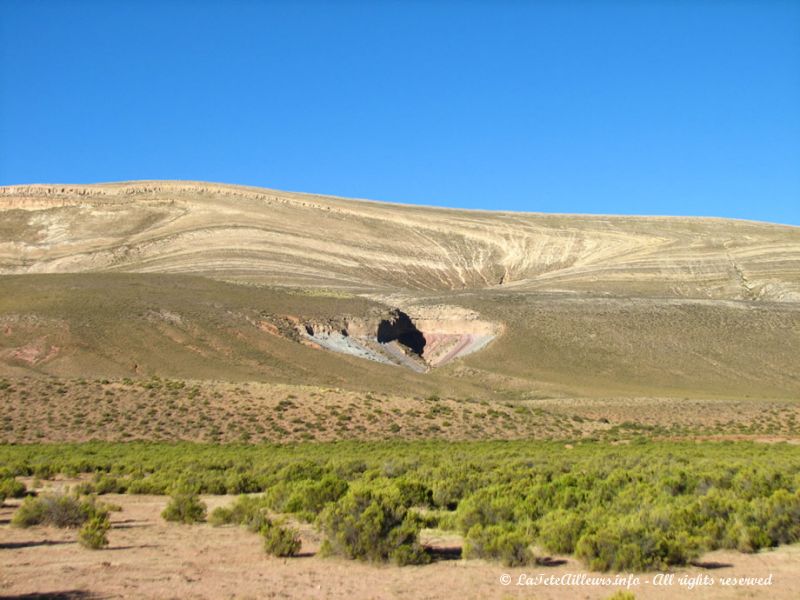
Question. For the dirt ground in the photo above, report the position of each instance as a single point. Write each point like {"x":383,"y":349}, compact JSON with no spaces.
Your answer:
{"x":149,"y":558}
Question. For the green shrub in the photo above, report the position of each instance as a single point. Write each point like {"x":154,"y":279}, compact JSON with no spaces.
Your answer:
{"x":448,"y":491}
{"x":11,"y":488}
{"x":185,"y":507}
{"x":280,"y":540}
{"x":497,"y":542}
{"x":413,"y":493}
{"x":222,"y":515}
{"x":627,"y":544}
{"x":84,"y":488}
{"x":241,"y":483}
{"x":306,"y":498}
{"x":650,"y":505}
{"x":489,"y":506}
{"x":746,"y":538}
{"x":93,"y":534}
{"x":58,"y":510}
{"x":372,"y":525}
{"x":249,"y":511}
{"x":778,"y":517}
{"x":106,"y":484}
{"x":559,"y":530}
{"x":622,"y":595}
{"x":147,"y":485}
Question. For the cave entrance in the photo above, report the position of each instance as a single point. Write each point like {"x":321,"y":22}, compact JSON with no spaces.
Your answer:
{"x":402,"y":330}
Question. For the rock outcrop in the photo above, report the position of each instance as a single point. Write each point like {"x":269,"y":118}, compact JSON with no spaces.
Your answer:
{"x":264,"y":236}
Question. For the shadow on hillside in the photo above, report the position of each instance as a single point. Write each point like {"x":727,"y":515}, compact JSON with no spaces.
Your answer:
{"x":129,"y":524}
{"x":66,"y":595}
{"x":549,"y":561}
{"x":439,"y":553}
{"x":710,"y":564}
{"x":18,"y":545}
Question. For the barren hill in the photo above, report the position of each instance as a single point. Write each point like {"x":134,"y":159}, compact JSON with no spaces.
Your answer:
{"x":266,"y":236}
{"x":209,"y":281}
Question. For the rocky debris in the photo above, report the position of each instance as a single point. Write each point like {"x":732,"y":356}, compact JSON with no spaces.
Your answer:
{"x":391,"y":336}
{"x":37,"y":196}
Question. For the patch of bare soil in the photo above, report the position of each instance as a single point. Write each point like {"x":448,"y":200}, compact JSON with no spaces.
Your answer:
{"x":149,"y":558}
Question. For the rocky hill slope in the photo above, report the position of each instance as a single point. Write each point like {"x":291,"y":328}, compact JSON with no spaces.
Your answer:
{"x":266,"y":236}
{"x":206,"y":281}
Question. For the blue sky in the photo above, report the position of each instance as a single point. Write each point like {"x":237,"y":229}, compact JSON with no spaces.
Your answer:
{"x":592,"y":107}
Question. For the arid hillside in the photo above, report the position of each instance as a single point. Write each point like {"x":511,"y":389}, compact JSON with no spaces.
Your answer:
{"x":209,"y":282}
{"x":267,"y":236}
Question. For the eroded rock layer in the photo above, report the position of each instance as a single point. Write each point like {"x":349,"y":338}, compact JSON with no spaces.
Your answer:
{"x":265,"y":236}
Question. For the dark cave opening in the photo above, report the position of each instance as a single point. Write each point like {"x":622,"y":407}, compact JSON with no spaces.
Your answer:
{"x":403,"y":330}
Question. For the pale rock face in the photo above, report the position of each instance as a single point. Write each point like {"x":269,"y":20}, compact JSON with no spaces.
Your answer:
{"x":279,"y":238}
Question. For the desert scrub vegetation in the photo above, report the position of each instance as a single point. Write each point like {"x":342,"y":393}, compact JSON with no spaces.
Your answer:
{"x":502,"y":543}
{"x":647,"y":505}
{"x":58,"y":510}
{"x":11,"y":488}
{"x":280,"y":539}
{"x":252,"y":512}
{"x":185,"y":507}
{"x":248,"y":511}
{"x":373,"y":525}
{"x":94,"y":533}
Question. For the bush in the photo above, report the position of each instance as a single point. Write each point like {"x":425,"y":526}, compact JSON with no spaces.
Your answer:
{"x":222,"y":515}
{"x":497,"y":542}
{"x":372,"y":525}
{"x":559,"y":531}
{"x":11,"y":488}
{"x":280,"y":540}
{"x":185,"y":507}
{"x":240,"y":483}
{"x":146,"y":486}
{"x":649,"y":506}
{"x":448,"y":491}
{"x":56,"y":509}
{"x":106,"y":484}
{"x":489,"y":506}
{"x":627,"y":544}
{"x":413,"y":493}
{"x":248,"y":511}
{"x":778,"y":517}
{"x":93,"y":534}
{"x":251,"y":512}
{"x":306,"y":498}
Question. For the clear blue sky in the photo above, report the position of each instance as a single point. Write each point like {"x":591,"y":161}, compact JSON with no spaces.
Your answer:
{"x":599,"y":107}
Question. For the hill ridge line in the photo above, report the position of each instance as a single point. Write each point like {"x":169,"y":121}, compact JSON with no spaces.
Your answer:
{"x":130,"y":188}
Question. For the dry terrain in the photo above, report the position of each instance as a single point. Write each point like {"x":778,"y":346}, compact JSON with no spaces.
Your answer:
{"x":76,"y":410}
{"x":181,"y":311}
{"x":205,"y":281}
{"x":267,"y":236}
{"x":149,"y":558}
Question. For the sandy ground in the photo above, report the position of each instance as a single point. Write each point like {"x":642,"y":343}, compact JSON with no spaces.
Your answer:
{"x":149,"y":558}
